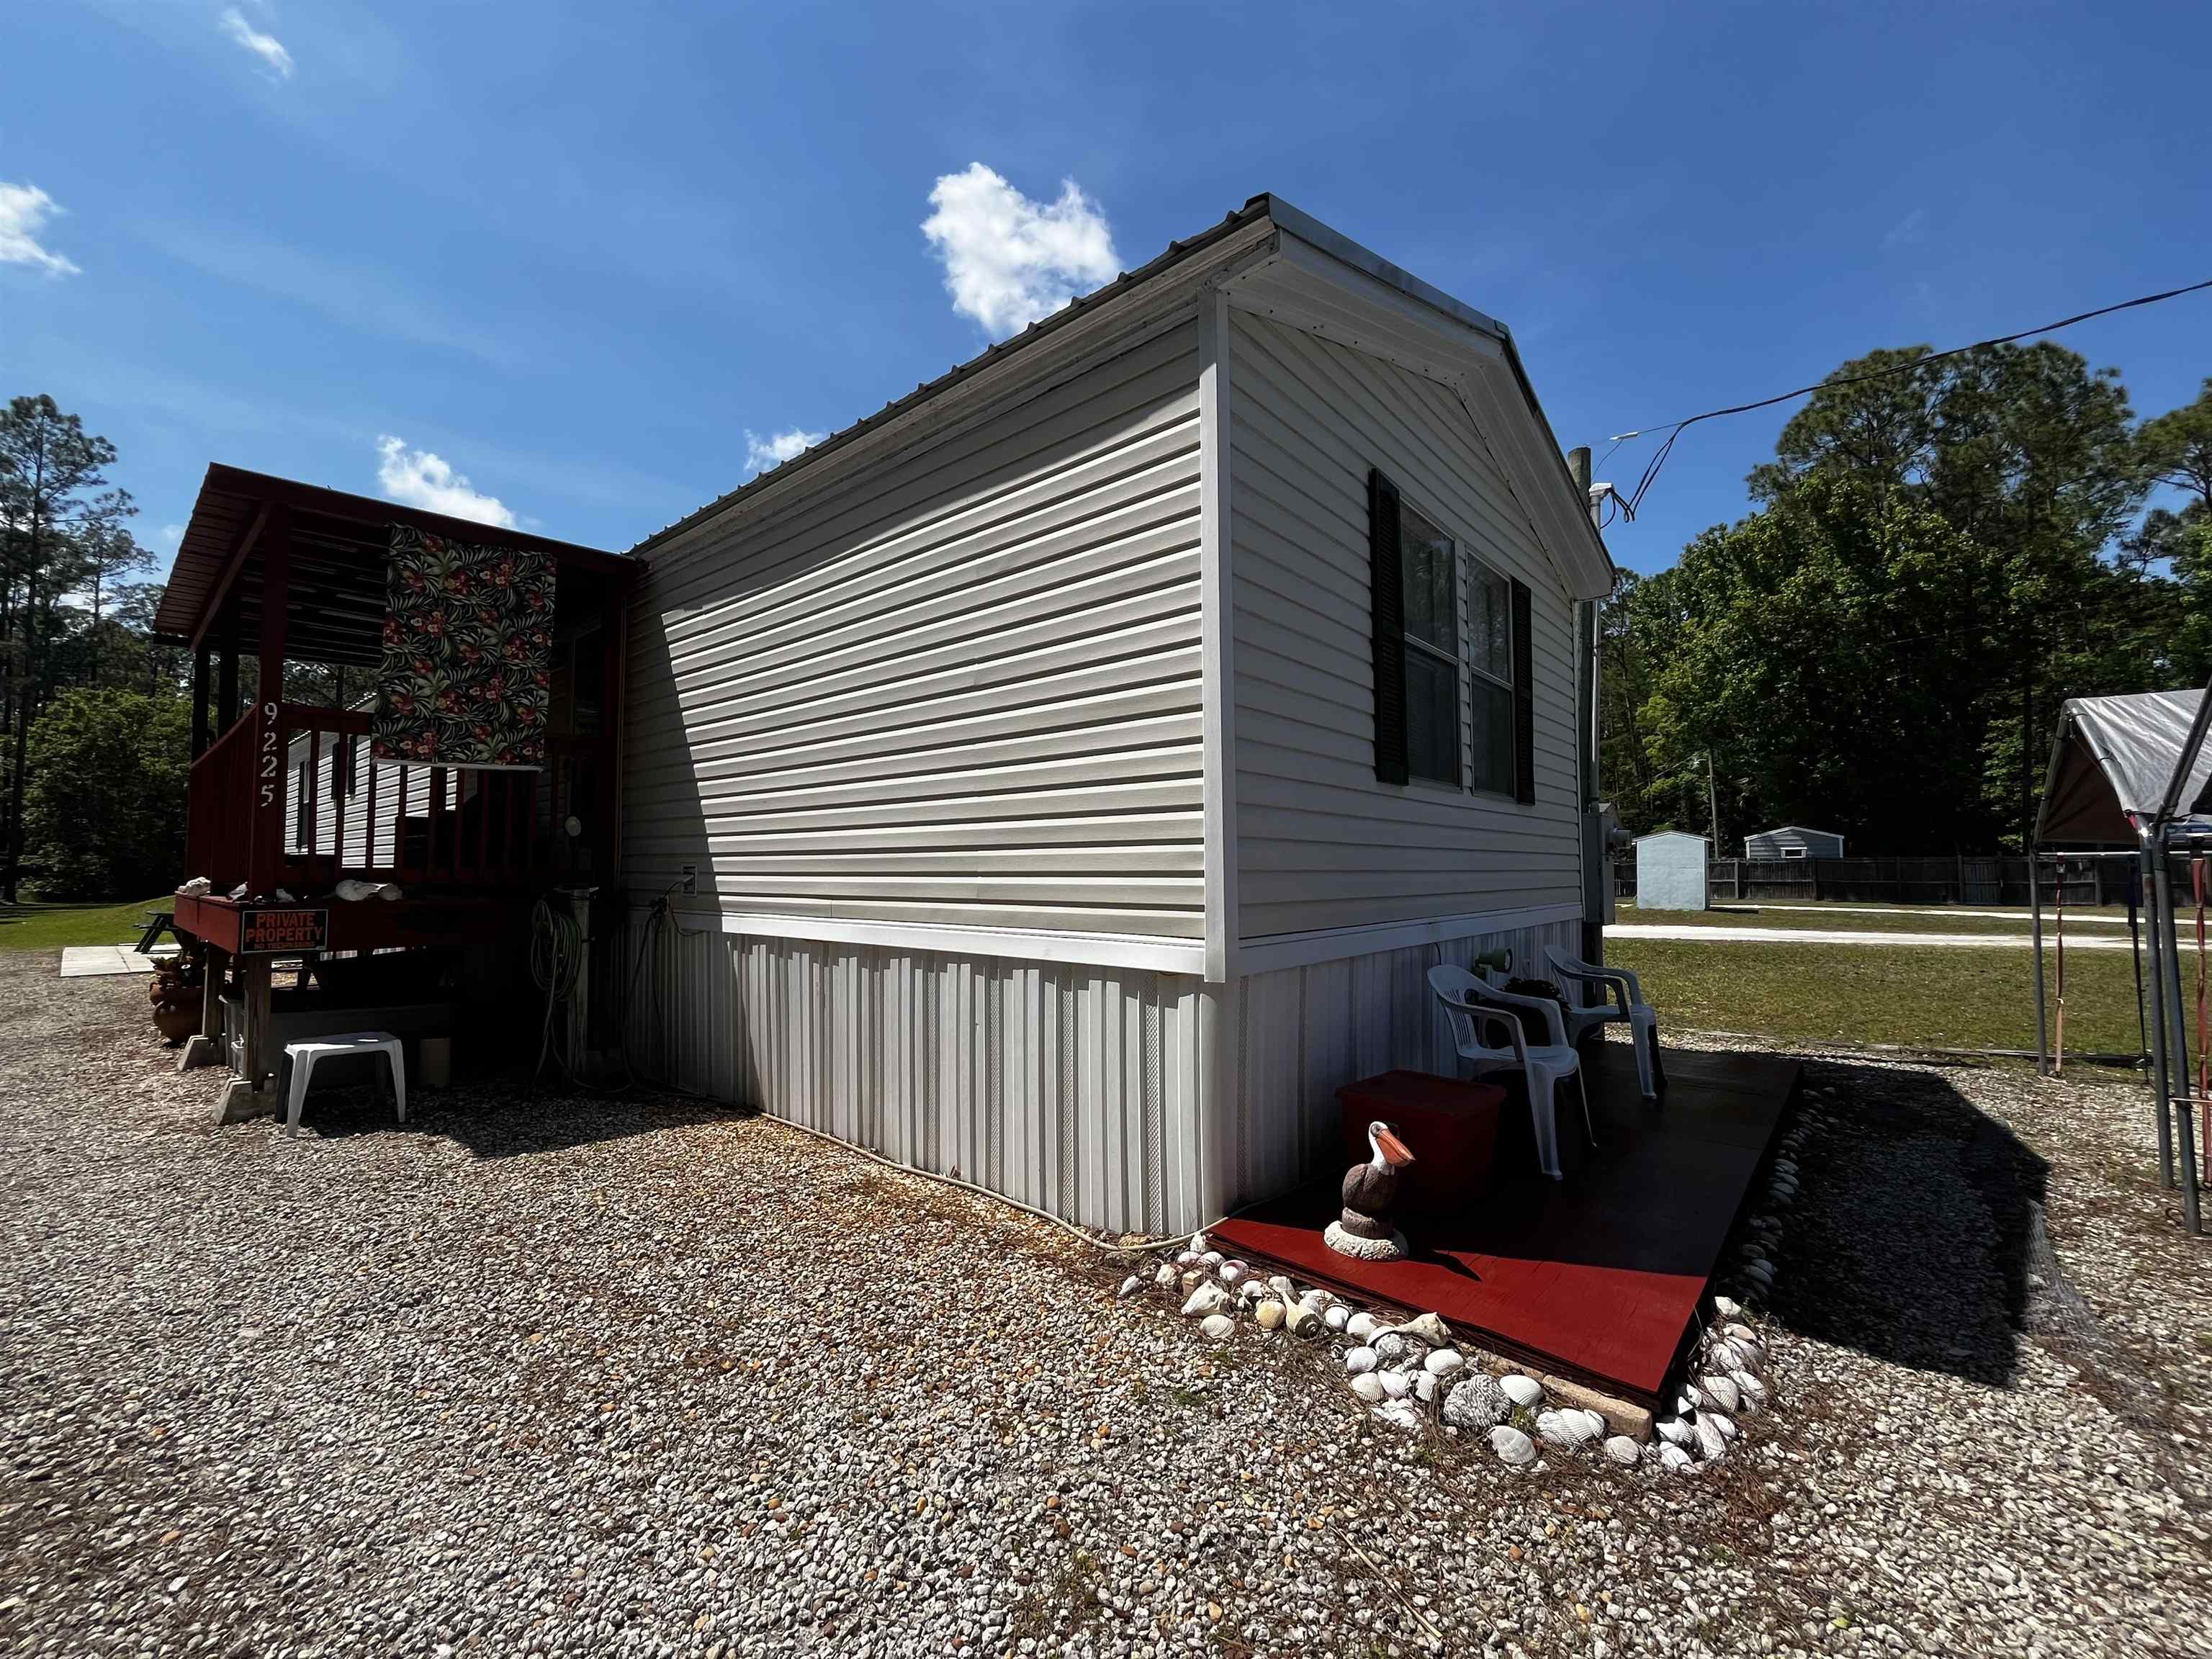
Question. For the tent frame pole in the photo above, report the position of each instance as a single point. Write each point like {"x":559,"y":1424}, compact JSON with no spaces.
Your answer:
{"x":2154,"y":888}
{"x":2185,"y":1125}
{"x":2042,"y":1018}
{"x":2134,"y":957}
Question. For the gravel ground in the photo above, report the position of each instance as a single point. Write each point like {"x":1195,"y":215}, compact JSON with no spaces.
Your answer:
{"x":614,"y":1376}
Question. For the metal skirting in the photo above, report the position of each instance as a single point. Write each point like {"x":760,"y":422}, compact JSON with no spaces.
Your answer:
{"x":1072,"y":1088}
{"x":1082,"y":1091}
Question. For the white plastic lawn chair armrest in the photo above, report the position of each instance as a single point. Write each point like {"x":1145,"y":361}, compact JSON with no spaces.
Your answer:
{"x":1488,"y":1016}
{"x":1619,"y":983}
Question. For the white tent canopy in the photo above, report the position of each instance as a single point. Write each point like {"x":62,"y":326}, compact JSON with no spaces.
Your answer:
{"x":2111,"y":760}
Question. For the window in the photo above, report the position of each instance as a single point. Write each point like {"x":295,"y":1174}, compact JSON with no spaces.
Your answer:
{"x":1453,"y":684}
{"x":1490,"y":663}
{"x":303,"y":811}
{"x":1793,"y":851}
{"x":1431,"y":567}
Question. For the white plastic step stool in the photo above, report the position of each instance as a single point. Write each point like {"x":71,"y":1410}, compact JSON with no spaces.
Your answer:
{"x":303,"y":1056}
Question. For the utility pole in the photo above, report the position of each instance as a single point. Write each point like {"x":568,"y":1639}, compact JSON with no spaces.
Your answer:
{"x":1597,"y":856}
{"x":1713,"y":803}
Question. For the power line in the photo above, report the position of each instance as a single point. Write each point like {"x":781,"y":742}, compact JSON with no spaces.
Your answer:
{"x":1675,"y":429}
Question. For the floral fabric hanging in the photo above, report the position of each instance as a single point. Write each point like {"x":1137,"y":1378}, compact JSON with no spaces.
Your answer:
{"x":468,"y":631}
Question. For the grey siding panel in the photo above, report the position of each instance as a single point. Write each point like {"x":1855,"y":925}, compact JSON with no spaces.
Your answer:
{"x":1074,"y":1089}
{"x":962,"y":687}
{"x":1321,"y":844}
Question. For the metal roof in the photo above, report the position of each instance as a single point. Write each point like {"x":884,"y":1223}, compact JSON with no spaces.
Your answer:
{"x":339,"y":543}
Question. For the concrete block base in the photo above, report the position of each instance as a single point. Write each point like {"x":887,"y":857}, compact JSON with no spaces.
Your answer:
{"x":241,"y":1103}
{"x":199,"y":1051}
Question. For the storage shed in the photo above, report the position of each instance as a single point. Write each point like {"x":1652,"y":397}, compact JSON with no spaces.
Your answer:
{"x":1670,"y":871}
{"x":1793,"y":841}
{"x":1077,"y":765}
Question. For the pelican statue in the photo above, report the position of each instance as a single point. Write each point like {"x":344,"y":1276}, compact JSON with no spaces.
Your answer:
{"x":1369,"y":1189}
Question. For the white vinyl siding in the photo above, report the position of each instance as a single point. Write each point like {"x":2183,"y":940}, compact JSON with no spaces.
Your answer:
{"x":959,"y":686}
{"x":1321,"y":843}
{"x":1790,"y":841}
{"x":459,"y":786}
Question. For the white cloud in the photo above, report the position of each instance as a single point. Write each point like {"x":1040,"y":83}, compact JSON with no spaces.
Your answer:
{"x":416,"y":477}
{"x":171,"y":534}
{"x":1906,"y":229}
{"x":1009,"y":260}
{"x":267,"y":47}
{"x":761,"y":453}
{"x":24,"y":210}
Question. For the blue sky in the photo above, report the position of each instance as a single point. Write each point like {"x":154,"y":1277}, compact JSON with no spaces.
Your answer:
{"x":596,"y":259}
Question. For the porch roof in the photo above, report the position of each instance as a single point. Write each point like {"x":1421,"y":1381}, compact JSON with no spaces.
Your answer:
{"x":335,"y":591}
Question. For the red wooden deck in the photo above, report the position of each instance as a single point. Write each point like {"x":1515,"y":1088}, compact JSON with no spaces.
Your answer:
{"x":1598,"y":1277}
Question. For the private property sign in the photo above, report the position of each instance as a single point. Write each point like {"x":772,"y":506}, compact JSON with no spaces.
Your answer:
{"x":286,"y":932}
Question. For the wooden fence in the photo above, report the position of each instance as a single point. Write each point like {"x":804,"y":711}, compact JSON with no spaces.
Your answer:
{"x":1968,"y":881}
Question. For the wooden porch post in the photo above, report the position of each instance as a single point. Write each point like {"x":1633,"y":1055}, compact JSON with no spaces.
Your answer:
{"x":253,"y":977}
{"x":214,"y":970}
{"x":253,"y":1093}
{"x":200,"y":693}
{"x":266,"y":843}
{"x":226,"y":698}
{"x":614,"y":640}
{"x":205,"y":1048}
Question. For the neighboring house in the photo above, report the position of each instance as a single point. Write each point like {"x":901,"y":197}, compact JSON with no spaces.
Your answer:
{"x":1671,"y":868}
{"x":1793,"y":841}
{"x":1084,"y":758}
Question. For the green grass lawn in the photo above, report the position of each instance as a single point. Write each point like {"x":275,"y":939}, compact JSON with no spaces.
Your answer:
{"x":1935,"y":996}
{"x":50,"y":927}
{"x":1927,"y":919}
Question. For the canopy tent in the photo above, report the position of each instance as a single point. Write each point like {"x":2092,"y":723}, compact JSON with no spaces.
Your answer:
{"x":2111,"y":759}
{"x":2132,"y":776}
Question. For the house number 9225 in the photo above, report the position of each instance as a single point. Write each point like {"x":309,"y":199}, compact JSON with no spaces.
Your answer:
{"x":268,"y":762}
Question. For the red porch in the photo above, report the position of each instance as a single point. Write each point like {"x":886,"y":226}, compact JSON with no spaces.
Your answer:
{"x":1599,"y":1276}
{"x":279,"y":588}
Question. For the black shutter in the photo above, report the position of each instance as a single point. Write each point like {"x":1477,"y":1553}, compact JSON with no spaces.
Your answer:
{"x":1524,"y":701}
{"x":1386,"y":603}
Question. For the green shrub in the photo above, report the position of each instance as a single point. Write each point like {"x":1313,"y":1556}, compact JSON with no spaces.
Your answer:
{"x":104,"y":807}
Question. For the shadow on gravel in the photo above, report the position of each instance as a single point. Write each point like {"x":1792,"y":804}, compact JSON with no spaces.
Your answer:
{"x":501,"y":1119}
{"x":1918,"y":1236}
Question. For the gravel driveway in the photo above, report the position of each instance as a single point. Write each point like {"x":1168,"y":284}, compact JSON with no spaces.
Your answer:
{"x":631,"y":1375}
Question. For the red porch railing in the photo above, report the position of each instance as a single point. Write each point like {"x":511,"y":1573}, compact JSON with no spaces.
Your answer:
{"x":290,"y":797}
{"x":219,"y":808}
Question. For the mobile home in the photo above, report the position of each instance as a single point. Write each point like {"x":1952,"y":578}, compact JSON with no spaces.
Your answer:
{"x":1065,"y":776}
{"x":1793,"y":841}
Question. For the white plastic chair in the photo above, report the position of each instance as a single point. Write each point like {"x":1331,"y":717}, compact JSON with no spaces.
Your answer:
{"x":304,"y":1054}
{"x":1475,"y":1008}
{"x":1623,"y":1002}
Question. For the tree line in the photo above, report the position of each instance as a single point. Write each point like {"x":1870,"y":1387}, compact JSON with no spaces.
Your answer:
{"x":96,"y":725}
{"x":1942,"y":551}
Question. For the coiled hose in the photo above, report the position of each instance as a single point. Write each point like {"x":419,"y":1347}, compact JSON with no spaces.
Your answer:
{"x":556,"y":957}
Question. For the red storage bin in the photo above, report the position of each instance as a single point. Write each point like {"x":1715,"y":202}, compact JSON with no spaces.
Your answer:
{"x":1450,"y":1128}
